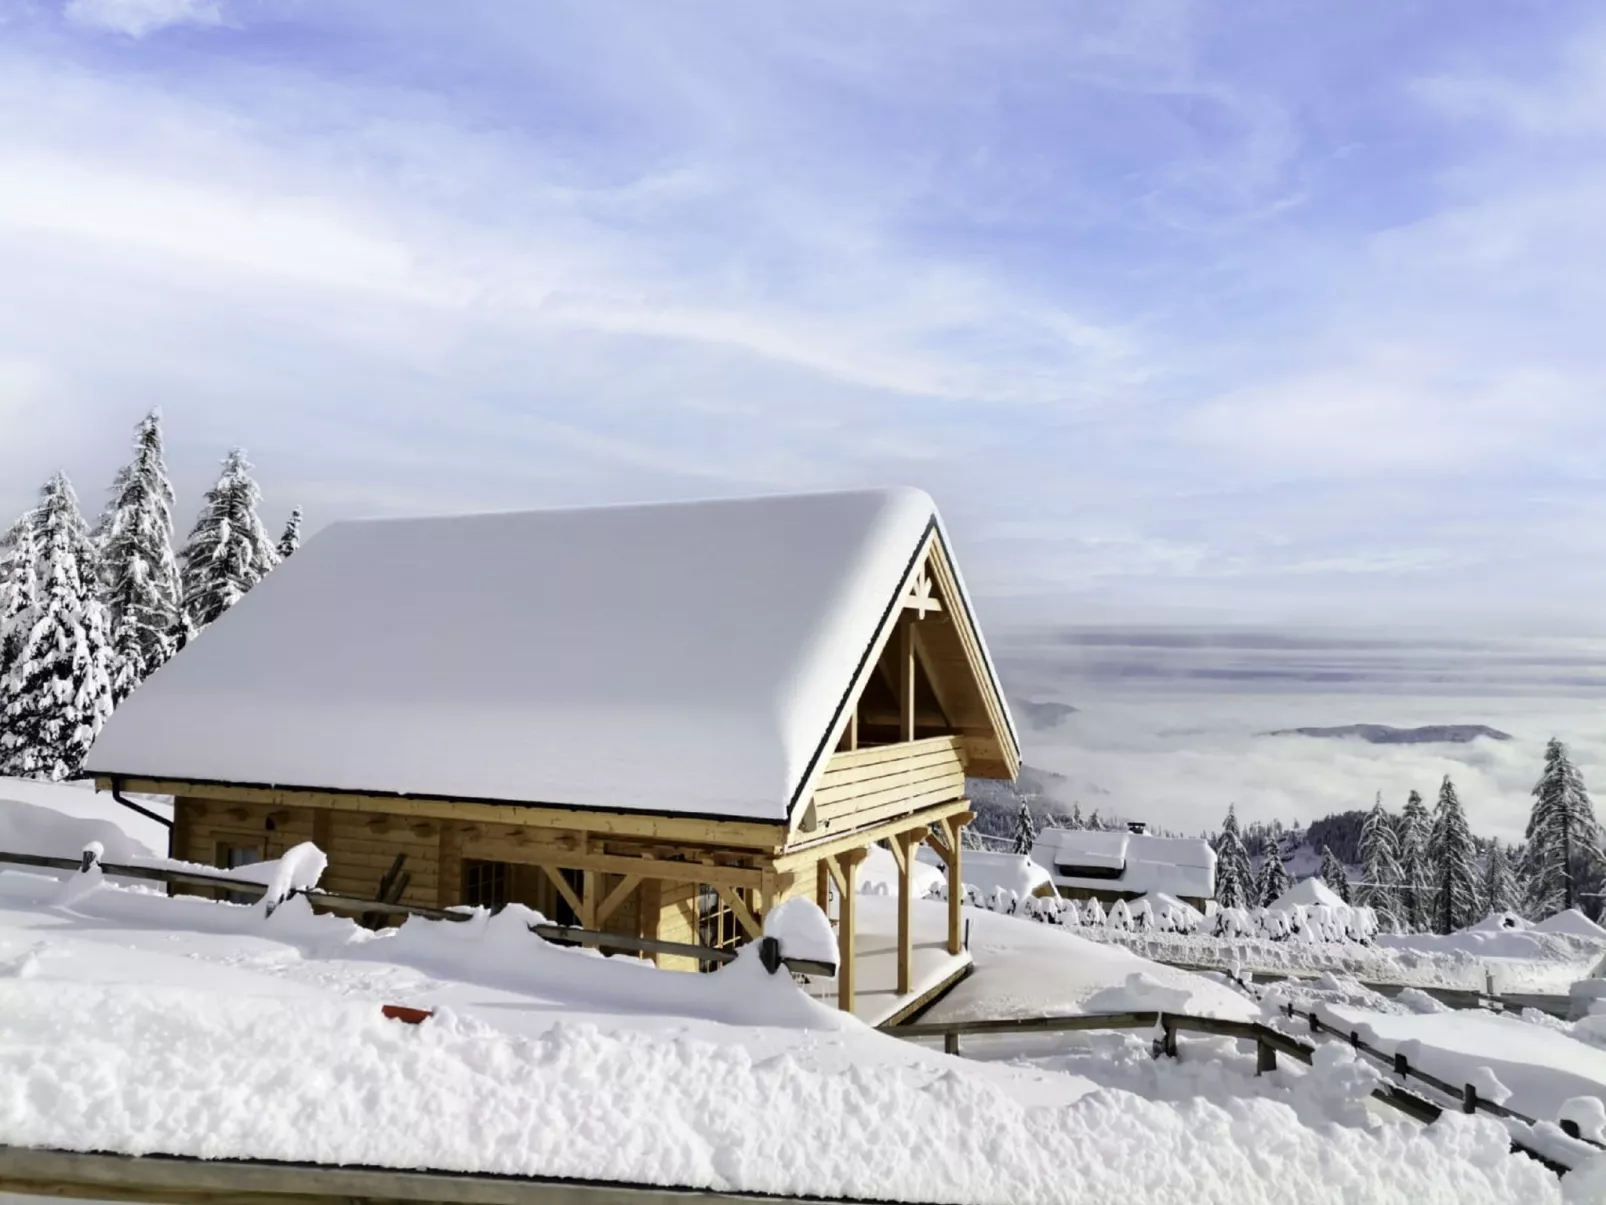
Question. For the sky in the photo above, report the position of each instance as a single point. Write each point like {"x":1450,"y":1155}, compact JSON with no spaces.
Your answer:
{"x":1248,"y":311}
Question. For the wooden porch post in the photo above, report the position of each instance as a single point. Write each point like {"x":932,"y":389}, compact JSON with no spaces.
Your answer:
{"x":904,"y":849}
{"x":956,"y":885}
{"x":906,"y":679}
{"x":849,"y":861}
{"x":822,"y":886}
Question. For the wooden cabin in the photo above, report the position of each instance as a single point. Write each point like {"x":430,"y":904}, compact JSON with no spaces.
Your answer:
{"x":1111,"y":865}
{"x":652,"y":720}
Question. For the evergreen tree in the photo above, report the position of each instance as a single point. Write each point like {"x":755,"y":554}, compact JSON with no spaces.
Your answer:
{"x":1235,"y":878}
{"x":1025,"y":829}
{"x":1563,"y":839}
{"x":1500,"y":888}
{"x":139,"y":575}
{"x":1380,"y":867}
{"x":228,"y":551}
{"x":57,"y":690}
{"x":1274,"y":879}
{"x":1076,"y":820}
{"x":1333,"y":874}
{"x":19,"y":590}
{"x":1416,"y":869}
{"x":291,"y":539}
{"x":1453,"y":855}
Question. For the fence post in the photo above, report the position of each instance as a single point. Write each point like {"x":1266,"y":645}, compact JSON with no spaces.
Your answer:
{"x":1570,"y":1128}
{"x":1469,"y":1099}
{"x":1402,"y":1067}
{"x":88,"y":862}
{"x":1265,"y":1056}
{"x":950,"y":1042}
{"x":1168,"y":1036}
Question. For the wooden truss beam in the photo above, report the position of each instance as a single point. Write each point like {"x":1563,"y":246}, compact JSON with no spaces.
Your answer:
{"x":805,"y":855}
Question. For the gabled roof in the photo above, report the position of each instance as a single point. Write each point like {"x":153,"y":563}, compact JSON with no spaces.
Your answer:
{"x":689,"y":658}
{"x":1126,"y":861}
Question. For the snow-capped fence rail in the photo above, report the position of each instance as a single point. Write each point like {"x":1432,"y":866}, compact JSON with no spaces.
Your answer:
{"x":1269,"y":1043}
{"x":771,"y":950}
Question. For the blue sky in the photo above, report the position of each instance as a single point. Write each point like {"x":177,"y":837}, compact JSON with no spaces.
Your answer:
{"x":1250,"y":311}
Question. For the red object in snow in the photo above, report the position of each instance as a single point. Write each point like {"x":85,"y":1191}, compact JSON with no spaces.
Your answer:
{"x":410,"y":1016}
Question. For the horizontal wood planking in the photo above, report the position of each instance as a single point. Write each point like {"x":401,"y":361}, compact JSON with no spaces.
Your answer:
{"x":918,"y":774}
{"x":853,"y":758}
{"x":840,"y":784}
{"x":746,"y":834}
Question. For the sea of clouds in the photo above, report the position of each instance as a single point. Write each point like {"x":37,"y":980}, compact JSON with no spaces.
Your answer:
{"x":1171,"y":722}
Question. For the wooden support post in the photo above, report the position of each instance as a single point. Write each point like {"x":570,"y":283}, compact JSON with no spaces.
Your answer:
{"x":616,"y":897}
{"x":1469,"y":1099}
{"x":563,"y":888}
{"x":822,"y":885}
{"x":590,"y":897}
{"x":1265,"y":1058}
{"x":906,"y":680}
{"x":950,"y":1042}
{"x":853,"y":728}
{"x":956,"y":886}
{"x":903,"y":848}
{"x":740,"y":911}
{"x":849,"y":861}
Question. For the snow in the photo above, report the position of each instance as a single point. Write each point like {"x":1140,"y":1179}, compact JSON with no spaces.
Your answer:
{"x":140,"y":1023}
{"x":989,"y":871}
{"x":878,"y":875}
{"x":1025,"y":969}
{"x":1541,"y":1067}
{"x":59,"y":819}
{"x":685,"y":657}
{"x":1180,"y":866}
{"x":1588,"y":1113}
{"x":1498,"y":921}
{"x":1307,"y":893}
{"x":803,"y":930}
{"x":1141,"y":992}
{"x":1573,"y":923}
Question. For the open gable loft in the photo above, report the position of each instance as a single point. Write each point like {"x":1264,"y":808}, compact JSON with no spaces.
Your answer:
{"x":693,"y":659}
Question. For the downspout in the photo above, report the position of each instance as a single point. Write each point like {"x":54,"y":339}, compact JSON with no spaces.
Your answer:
{"x":117,"y":794}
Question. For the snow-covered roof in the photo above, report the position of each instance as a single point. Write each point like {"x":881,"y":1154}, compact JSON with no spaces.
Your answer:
{"x":988,"y":870}
{"x":688,"y":658}
{"x":1127,"y":862}
{"x":1307,"y":893}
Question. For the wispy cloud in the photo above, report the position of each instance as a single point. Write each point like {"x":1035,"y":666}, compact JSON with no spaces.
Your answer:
{"x":136,"y":18}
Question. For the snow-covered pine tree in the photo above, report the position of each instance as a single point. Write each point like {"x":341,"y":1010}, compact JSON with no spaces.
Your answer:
{"x":57,"y":690}
{"x":1235,"y":878}
{"x":1453,"y":855}
{"x":1025,"y":829}
{"x":228,"y":551}
{"x":19,"y":591}
{"x":1416,"y":866}
{"x":1274,"y":878}
{"x":1380,"y":868}
{"x":1076,"y":820}
{"x":1501,"y":892}
{"x":139,"y":574}
{"x":1333,"y":874}
{"x":291,"y":539}
{"x":1563,"y":838}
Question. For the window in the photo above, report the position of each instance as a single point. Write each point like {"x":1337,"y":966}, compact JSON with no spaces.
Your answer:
{"x":717,"y":925}
{"x":484,"y":884}
{"x":232,"y":855}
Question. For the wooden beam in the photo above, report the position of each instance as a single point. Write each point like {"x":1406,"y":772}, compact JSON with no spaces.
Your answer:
{"x":906,"y":680}
{"x":668,"y":870}
{"x":741,"y":834}
{"x":822,"y":885}
{"x":804,"y":854}
{"x":567,"y":892}
{"x":956,"y":882}
{"x":846,"y":909}
{"x":938,"y":844}
{"x":853,"y":728}
{"x":616,"y":897}
{"x":834,"y":869}
{"x":591,"y":888}
{"x":871,"y":754}
{"x":903,"y":850}
{"x":740,"y":911}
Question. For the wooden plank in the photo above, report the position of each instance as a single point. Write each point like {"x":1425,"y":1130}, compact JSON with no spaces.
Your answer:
{"x":906,"y":679}
{"x":938,"y":844}
{"x":590,"y":890}
{"x":616,"y":897}
{"x":654,"y":868}
{"x":877,"y":753}
{"x":904,"y":850}
{"x":918,"y":783}
{"x":849,"y":861}
{"x":853,"y":729}
{"x":804,"y":854}
{"x":740,"y":911}
{"x":562,"y":885}
{"x":941,"y":792}
{"x":822,"y":885}
{"x":744,"y":833}
{"x":956,"y":883}
{"x":843,"y":784}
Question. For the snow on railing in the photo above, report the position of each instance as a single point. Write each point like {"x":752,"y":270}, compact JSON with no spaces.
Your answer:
{"x":1299,"y":923}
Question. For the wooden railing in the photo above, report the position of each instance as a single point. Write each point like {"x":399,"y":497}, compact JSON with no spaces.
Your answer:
{"x":350,"y":905}
{"x":1269,"y":1043}
{"x":883,"y":780}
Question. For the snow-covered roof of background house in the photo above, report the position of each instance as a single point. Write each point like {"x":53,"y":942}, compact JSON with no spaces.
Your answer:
{"x":685,"y":657}
{"x":1180,"y":866}
{"x":1307,"y":893}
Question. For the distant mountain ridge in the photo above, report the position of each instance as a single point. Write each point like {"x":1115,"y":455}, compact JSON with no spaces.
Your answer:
{"x":1384,"y":734}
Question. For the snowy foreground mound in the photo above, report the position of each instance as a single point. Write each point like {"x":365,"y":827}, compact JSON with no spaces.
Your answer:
{"x":137,"y":1023}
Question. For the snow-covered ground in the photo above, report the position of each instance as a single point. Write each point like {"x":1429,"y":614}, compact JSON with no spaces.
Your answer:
{"x":60,"y":818}
{"x":139,"y":1023}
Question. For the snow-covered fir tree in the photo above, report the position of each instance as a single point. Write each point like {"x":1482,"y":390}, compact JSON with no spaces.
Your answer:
{"x":139,"y":574}
{"x":57,"y":689}
{"x":1235,"y":876}
{"x":1501,"y":891}
{"x":1379,"y":888}
{"x":291,"y":539}
{"x":1453,"y":855}
{"x":1025,"y":829}
{"x":1417,"y":876}
{"x":19,"y":589}
{"x":1563,"y":838}
{"x":1075,"y":820}
{"x":1333,"y":875}
{"x":1274,"y":878}
{"x":228,"y":551}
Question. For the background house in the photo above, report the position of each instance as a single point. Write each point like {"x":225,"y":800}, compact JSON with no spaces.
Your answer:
{"x":1109,"y":866}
